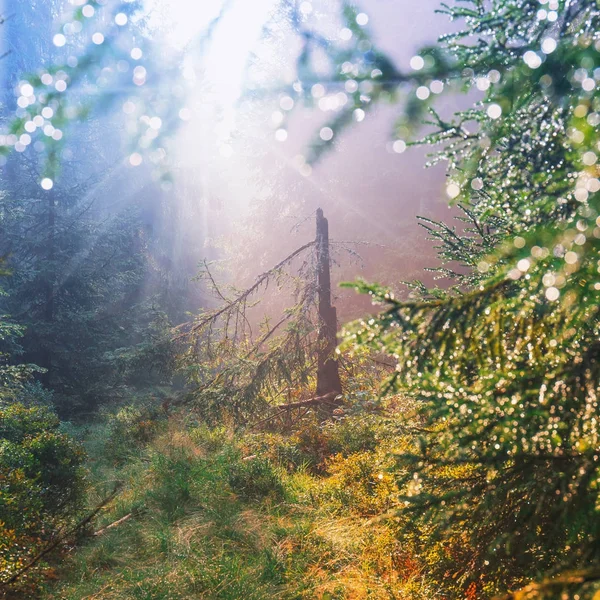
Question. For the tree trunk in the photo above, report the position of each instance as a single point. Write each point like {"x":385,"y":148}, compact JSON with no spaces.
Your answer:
{"x":328,"y":377}
{"x":50,"y":283}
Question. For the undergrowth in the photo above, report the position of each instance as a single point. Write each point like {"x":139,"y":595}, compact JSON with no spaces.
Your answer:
{"x":209,"y":514}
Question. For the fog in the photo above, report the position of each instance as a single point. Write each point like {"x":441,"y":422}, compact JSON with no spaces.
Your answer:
{"x":238,"y":194}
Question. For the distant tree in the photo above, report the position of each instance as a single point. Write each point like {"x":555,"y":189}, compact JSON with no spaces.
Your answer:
{"x":77,"y":291}
{"x":13,"y":375}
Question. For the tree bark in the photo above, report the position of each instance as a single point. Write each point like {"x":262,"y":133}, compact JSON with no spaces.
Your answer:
{"x":328,"y":377}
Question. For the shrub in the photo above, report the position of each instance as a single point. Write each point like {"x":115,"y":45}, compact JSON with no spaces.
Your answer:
{"x":129,"y":430}
{"x":211,"y":439}
{"x":351,"y":434}
{"x":361,"y":483}
{"x":41,"y":481}
{"x":313,"y":443}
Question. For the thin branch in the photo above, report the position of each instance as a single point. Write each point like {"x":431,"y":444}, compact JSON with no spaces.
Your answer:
{"x":114,"y":524}
{"x":244,"y":296}
{"x":62,"y":538}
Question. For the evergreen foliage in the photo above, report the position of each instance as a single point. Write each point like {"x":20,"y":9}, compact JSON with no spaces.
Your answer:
{"x":77,"y":292}
{"x":505,"y":363}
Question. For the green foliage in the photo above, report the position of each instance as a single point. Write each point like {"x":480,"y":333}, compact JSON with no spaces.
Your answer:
{"x":461,"y":250}
{"x":319,"y":440}
{"x":42,"y":482}
{"x":204,"y":523}
{"x":361,"y":483}
{"x":313,"y":442}
{"x":210,"y":439}
{"x":174,"y":476}
{"x":130,"y":428}
{"x":505,"y":363}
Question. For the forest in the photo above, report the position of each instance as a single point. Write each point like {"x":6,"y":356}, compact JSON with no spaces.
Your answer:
{"x":299,"y":299}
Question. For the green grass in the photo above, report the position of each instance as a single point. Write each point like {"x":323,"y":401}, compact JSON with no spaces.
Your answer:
{"x":209,"y":524}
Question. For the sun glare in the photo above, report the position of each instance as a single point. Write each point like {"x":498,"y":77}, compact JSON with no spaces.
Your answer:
{"x":214,"y":68}
{"x":217,"y":71}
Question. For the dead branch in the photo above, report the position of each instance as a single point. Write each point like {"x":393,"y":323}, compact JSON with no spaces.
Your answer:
{"x":382,"y":362}
{"x":266,"y":419}
{"x":285,"y":408}
{"x":244,"y":296}
{"x":114,"y":524}
{"x":326,"y":399}
{"x":213,"y":282}
{"x":252,"y":351}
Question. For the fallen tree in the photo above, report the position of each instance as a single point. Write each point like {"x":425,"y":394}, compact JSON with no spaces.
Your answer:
{"x":236,"y":371}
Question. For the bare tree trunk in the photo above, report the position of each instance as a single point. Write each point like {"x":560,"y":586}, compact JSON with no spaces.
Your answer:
{"x":328,"y":377}
{"x":50,"y":282}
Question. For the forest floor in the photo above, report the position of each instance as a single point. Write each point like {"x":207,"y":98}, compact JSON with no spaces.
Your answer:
{"x":205,"y":514}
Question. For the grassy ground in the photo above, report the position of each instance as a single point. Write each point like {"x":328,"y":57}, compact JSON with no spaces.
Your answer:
{"x":253,"y":517}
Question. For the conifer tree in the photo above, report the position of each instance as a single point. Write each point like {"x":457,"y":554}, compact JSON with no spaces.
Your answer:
{"x":78,"y":293}
{"x":13,"y":375}
{"x":505,"y":361}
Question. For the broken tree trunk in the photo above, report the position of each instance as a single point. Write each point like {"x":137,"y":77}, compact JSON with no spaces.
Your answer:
{"x":328,"y":376}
